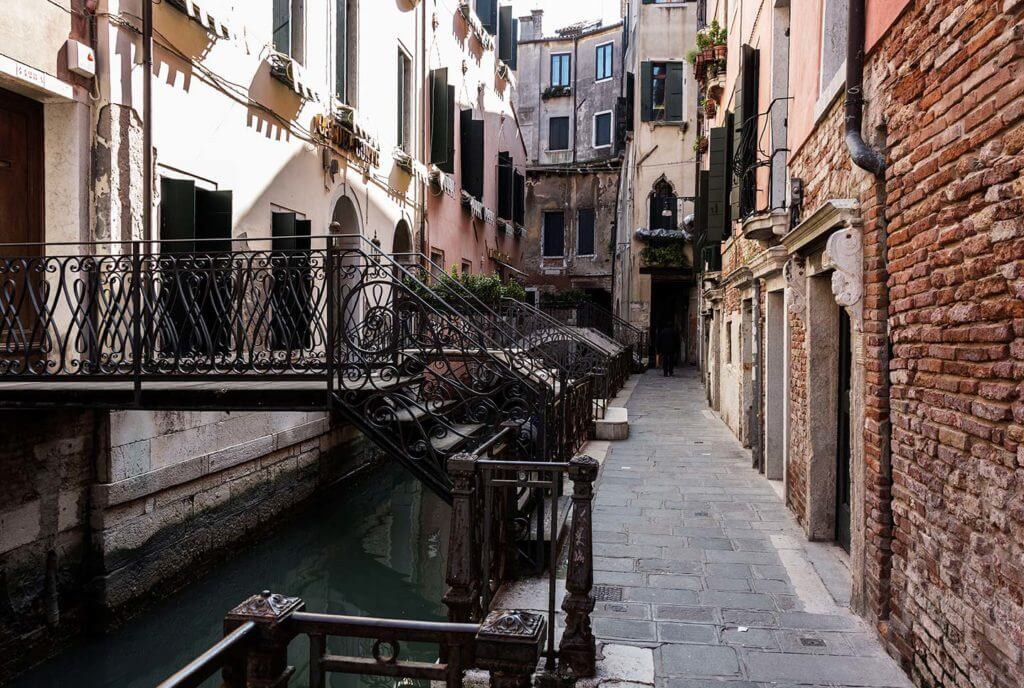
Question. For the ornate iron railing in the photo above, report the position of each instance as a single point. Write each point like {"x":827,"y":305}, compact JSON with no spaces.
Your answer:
{"x":415,"y":374}
{"x":589,"y":314}
{"x":485,"y":527}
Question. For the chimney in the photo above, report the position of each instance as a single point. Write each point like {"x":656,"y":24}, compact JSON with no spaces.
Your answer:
{"x":538,"y":23}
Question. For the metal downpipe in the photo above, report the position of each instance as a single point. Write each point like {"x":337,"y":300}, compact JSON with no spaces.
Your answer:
{"x":863,"y":155}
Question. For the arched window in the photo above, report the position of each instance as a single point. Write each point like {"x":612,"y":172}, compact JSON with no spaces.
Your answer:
{"x":664,"y":208}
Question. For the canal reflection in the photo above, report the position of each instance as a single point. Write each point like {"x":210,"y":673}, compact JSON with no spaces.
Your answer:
{"x":376,"y":549}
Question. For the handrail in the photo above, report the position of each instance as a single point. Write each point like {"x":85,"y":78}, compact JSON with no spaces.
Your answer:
{"x":212,"y":660}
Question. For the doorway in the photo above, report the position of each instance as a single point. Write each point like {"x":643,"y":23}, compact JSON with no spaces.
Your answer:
{"x":669,"y":307}
{"x":843,"y":427}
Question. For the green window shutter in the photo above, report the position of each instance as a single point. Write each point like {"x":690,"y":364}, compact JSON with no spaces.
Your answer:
{"x":487,"y":11}
{"x":674,"y":92}
{"x":513,"y":62}
{"x":645,"y":92}
{"x":702,"y":204}
{"x":177,"y":215}
{"x":737,"y":144}
{"x":282,"y":35}
{"x":718,"y":184}
{"x":506,"y":192}
{"x":341,"y":50}
{"x":519,"y":201}
{"x":213,"y":221}
{"x":472,"y":144}
{"x":442,"y":121}
{"x":505,"y":33}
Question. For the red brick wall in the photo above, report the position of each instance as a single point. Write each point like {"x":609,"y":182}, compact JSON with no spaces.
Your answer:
{"x":949,"y":82}
{"x":799,"y":445}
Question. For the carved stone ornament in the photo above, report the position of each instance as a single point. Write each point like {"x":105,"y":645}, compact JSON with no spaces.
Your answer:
{"x":796,"y":282}
{"x":512,"y":622}
{"x":845,"y":255}
{"x":266,"y":606}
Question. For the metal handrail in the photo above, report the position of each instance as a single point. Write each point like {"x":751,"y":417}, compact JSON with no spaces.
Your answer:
{"x":212,"y":660}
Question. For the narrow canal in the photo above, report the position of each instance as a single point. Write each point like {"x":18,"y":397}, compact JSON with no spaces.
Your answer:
{"x":377,"y":548}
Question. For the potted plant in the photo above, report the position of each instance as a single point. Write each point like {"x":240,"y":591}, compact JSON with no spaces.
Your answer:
{"x":710,"y":108}
{"x":700,"y":145}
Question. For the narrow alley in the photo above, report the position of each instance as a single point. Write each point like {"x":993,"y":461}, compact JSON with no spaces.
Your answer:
{"x":696,"y":555}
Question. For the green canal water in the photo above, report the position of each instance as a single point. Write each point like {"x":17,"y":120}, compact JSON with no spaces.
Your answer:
{"x":376,"y":548}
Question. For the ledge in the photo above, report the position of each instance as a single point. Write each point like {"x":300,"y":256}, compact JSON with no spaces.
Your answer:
{"x":830,"y":215}
{"x":766,"y":226}
{"x":769,"y":262}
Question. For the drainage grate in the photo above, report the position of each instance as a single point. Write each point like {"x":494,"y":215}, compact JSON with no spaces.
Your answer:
{"x":701,"y":514}
{"x":608,"y":593}
{"x":812,"y":642}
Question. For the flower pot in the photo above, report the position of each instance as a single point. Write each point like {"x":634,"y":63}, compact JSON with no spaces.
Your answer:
{"x":721,"y":52}
{"x":710,"y":108}
{"x":709,"y":54}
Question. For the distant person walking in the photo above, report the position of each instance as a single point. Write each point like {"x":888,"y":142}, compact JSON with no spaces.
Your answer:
{"x":667,"y":342}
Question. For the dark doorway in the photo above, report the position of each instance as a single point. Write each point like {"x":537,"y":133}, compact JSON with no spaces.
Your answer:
{"x":843,"y":433}
{"x":669,"y":305}
{"x":21,"y":212}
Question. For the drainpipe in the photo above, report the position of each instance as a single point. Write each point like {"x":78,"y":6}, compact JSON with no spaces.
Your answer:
{"x":424,"y":100}
{"x":147,"y":120}
{"x":863,"y":155}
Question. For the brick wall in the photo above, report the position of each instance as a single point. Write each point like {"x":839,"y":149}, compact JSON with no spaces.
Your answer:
{"x":948,"y":81}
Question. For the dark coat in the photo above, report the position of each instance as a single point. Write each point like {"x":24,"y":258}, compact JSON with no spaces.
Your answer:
{"x":667,"y":340}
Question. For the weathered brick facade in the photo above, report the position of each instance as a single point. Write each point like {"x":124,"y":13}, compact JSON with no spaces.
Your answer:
{"x":948,"y":82}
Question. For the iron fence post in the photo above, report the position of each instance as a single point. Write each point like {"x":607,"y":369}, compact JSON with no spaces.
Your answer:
{"x":463,"y":594}
{"x":137,"y":321}
{"x":331,"y":344}
{"x":266,"y":661}
{"x":578,"y":649}
{"x":509,"y":646}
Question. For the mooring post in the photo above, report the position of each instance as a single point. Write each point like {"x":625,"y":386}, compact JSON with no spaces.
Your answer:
{"x":578,"y":650}
{"x":463,"y":594}
{"x":509,"y":645}
{"x":266,"y":659}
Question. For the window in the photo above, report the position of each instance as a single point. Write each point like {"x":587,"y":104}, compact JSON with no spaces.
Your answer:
{"x":554,"y":234}
{"x":442,"y":121}
{"x":664,"y":206}
{"x":602,"y":129}
{"x":289,"y":28}
{"x":661,"y":94}
{"x":472,"y":154}
{"x":345,"y":54}
{"x":833,"y":42}
{"x":437,"y":257}
{"x":561,"y":66}
{"x":558,"y":134}
{"x":506,"y":186}
{"x":291,"y":309}
{"x":519,"y":200}
{"x":467,"y":267}
{"x":508,"y":37}
{"x":728,"y":341}
{"x":585,"y":232}
{"x":404,"y":100}
{"x":604,"y":61}
{"x":487,"y":11}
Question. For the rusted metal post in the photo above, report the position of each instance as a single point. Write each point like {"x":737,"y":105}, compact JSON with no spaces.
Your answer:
{"x":509,"y":646}
{"x":463,"y":594}
{"x":578,"y":651}
{"x":266,"y":662}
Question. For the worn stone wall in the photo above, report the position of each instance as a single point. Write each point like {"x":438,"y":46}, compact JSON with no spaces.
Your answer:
{"x":948,"y":83}
{"x":48,"y":464}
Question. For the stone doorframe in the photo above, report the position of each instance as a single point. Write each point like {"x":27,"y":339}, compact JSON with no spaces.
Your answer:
{"x":829,"y":244}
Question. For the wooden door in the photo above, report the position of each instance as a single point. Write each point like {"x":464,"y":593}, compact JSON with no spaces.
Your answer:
{"x":21,"y":218}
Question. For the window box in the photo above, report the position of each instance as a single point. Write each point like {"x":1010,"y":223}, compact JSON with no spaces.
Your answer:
{"x":290,"y":73}
{"x":556,"y":92}
{"x":341,"y":133}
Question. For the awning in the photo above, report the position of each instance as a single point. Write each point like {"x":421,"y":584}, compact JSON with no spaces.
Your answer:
{"x":197,"y":11}
{"x":508,"y":267}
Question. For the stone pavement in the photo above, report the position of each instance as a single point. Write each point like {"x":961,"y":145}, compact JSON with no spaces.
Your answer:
{"x":697,"y":557}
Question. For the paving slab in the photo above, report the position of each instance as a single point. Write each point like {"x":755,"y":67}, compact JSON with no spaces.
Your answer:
{"x":712,"y":576}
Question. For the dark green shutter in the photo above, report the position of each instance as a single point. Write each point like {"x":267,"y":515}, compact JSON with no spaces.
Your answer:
{"x":487,"y":11}
{"x":718,"y":184}
{"x":745,"y":126}
{"x":177,"y":215}
{"x":282,"y":30}
{"x":702,"y":205}
{"x":674,"y":92}
{"x":630,"y":101}
{"x":472,"y":141}
{"x":442,"y":121}
{"x":341,"y":50}
{"x":505,"y":33}
{"x":213,"y":221}
{"x":646,"y":114}
{"x":585,"y":232}
{"x":506,"y":193}
{"x":513,"y":62}
{"x":519,"y":201}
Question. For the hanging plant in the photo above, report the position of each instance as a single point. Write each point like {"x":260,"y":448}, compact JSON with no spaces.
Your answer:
{"x":710,"y":108}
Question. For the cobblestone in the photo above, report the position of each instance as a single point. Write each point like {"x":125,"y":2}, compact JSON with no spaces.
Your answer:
{"x":693,"y":537}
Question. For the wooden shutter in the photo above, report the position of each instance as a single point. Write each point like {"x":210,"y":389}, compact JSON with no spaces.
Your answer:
{"x":506,"y":192}
{"x":505,"y":33}
{"x":513,"y":62}
{"x":718,"y":184}
{"x":630,"y":101}
{"x":177,"y":215}
{"x":213,"y":221}
{"x":674,"y":92}
{"x":519,"y":201}
{"x":442,"y":121}
{"x":472,"y":141}
{"x":646,"y":114}
{"x":701,"y":220}
{"x":487,"y":11}
{"x":746,"y":133}
{"x":341,"y":50}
